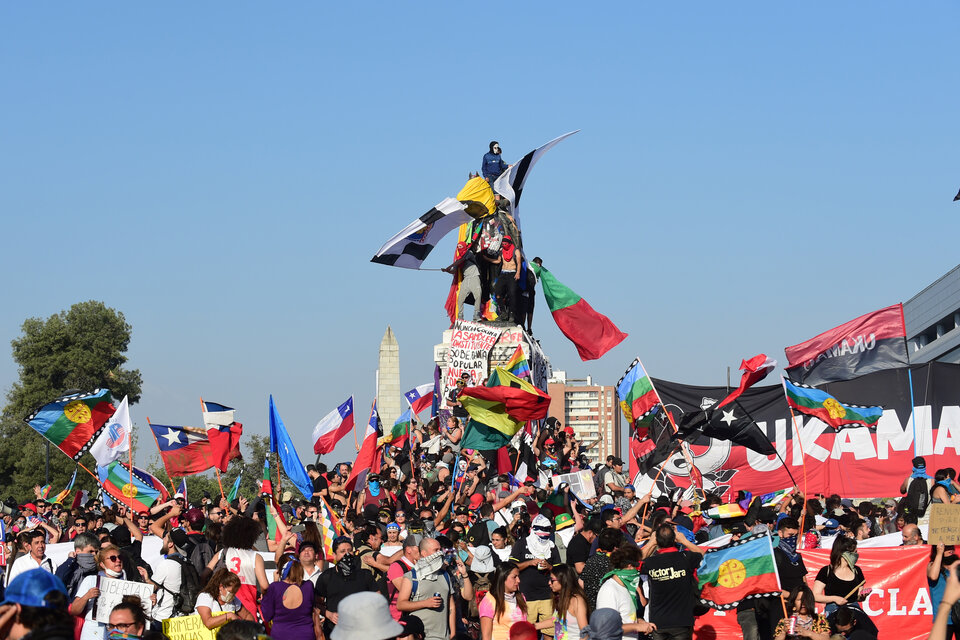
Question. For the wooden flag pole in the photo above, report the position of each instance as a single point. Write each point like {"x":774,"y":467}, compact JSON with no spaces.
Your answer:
{"x":130,"y":498}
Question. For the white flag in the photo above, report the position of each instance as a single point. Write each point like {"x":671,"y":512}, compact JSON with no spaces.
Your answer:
{"x":114,"y":439}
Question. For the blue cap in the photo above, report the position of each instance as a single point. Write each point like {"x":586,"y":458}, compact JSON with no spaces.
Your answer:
{"x":393,"y":525}
{"x":31,"y":589}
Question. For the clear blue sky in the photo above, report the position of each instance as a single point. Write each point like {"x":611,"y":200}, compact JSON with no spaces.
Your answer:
{"x":746,"y":176}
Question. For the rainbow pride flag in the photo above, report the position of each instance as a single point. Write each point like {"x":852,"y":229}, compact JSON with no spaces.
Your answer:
{"x":517,"y":364}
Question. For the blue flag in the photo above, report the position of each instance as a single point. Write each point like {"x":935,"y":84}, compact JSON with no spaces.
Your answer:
{"x":182,"y":489}
{"x":236,"y":487}
{"x":281,"y":444}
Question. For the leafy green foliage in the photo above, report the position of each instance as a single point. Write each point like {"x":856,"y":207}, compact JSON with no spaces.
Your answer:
{"x":81,"y":348}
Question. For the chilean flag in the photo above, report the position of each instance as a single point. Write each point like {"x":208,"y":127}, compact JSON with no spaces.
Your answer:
{"x":332,"y":427}
{"x":420,"y":397}
{"x":754,"y":370}
{"x":223,"y":432}
{"x":368,"y":453}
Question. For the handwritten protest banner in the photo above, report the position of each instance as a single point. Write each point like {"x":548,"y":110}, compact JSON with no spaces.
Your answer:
{"x":469,"y":353}
{"x":112,"y":591}
{"x":944,"y":524}
{"x":187,"y":628}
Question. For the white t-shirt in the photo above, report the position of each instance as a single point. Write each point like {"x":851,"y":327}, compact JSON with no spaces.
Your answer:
{"x":167,"y":574}
{"x":613,"y":595}
{"x":92,"y":630}
{"x":205,"y":600}
{"x":25,"y":563}
{"x":389,"y":550}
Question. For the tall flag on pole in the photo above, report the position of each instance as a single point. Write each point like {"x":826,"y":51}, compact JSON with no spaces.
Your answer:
{"x":400,"y":430}
{"x":332,"y":427}
{"x":114,"y":439}
{"x":592,"y":333}
{"x":142,"y":493}
{"x":872,"y":342}
{"x":420,"y":397}
{"x":185,"y":450}
{"x":182,"y":490}
{"x":367,"y":453}
{"x":754,"y":370}
{"x":272,"y":510}
{"x":638,"y":398}
{"x":506,"y":402}
{"x":517,"y":364}
{"x":282,"y":445}
{"x":511,"y":182}
{"x":223,"y":432}
{"x":236,"y":487}
{"x":741,"y":570}
{"x":73,"y":421}
{"x":730,"y":423}
{"x":822,"y":405}
{"x":60,"y":497}
{"x":329,"y":526}
{"x":412,"y":244}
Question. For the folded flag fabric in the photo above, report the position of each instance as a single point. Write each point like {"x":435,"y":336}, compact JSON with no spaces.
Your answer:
{"x":224,"y":433}
{"x":329,"y":526}
{"x":400,"y":430}
{"x":412,"y":244}
{"x":754,"y":370}
{"x":184,"y":450}
{"x":517,"y":364}
{"x":60,"y":497}
{"x":332,"y":427}
{"x":420,"y":397}
{"x":139,"y":490}
{"x":73,"y":421}
{"x":726,"y":511}
{"x":282,"y":445}
{"x":113,"y":443}
{"x":506,"y":403}
{"x":729,"y":423}
{"x":637,"y":396}
{"x":741,"y":570}
{"x":367,"y":456}
{"x":820,"y":404}
{"x":592,"y":333}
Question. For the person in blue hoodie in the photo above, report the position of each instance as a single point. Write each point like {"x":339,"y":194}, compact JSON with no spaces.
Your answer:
{"x":493,"y":165}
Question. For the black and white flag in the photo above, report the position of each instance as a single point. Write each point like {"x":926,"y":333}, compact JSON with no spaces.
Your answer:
{"x":510,"y":183}
{"x":411,"y":246}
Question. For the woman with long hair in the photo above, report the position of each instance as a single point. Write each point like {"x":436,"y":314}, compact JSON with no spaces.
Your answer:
{"x":217,"y":604}
{"x":110,"y":565}
{"x":842,"y":580}
{"x":810,"y":624}
{"x":239,"y":557}
{"x":503,"y":605}
{"x":569,"y":604}
{"x":944,"y":489}
{"x":288,"y":603}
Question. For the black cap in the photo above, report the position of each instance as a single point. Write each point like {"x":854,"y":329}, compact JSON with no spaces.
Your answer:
{"x":919,"y":463}
{"x":616,"y":461}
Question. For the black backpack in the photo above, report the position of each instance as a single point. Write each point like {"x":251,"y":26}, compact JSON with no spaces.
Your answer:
{"x":185,"y":602}
{"x":918,"y":497}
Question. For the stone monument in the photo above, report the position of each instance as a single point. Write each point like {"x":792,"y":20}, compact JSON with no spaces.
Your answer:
{"x":388,"y":380}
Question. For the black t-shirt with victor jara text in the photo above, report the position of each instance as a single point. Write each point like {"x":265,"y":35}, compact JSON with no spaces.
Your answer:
{"x":671,"y":576}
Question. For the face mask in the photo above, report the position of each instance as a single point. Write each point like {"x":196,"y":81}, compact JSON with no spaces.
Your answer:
{"x":948,"y":560}
{"x":86,"y":561}
{"x":348,"y":565}
{"x":543,"y":535}
{"x":112,"y":573}
{"x":851,"y":557}
{"x":374,"y":488}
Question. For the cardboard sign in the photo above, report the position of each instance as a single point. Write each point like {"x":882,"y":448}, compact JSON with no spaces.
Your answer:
{"x":469,"y":353}
{"x":112,"y":592}
{"x":581,"y":483}
{"x":188,"y":628}
{"x":944,"y":524}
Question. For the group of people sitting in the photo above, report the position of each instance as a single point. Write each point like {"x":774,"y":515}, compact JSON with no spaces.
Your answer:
{"x":432,"y":549}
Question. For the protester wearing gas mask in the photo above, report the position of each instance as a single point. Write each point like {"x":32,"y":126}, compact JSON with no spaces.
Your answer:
{"x":344,"y":578}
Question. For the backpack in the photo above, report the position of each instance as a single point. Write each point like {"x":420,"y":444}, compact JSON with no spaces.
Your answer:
{"x":199,"y":551}
{"x":413,"y":579}
{"x":185,"y":601}
{"x":491,"y":237}
{"x":918,"y":497}
{"x":598,"y":483}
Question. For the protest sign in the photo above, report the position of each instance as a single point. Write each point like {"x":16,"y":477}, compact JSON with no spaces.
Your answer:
{"x":187,"y":628}
{"x":469,"y":353}
{"x":112,"y":591}
{"x":581,"y":483}
{"x":944,"y":524}
{"x":898,"y":603}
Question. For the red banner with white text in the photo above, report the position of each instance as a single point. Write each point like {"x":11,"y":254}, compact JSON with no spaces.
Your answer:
{"x":899,"y":601}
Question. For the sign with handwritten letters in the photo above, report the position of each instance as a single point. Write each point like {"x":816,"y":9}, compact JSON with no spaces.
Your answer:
{"x":469,"y":353}
{"x":944,"y":524}
{"x":112,"y":591}
{"x":187,"y":628}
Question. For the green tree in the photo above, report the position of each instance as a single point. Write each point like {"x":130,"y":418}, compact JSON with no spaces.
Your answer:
{"x":254,"y":449}
{"x":81,"y":348}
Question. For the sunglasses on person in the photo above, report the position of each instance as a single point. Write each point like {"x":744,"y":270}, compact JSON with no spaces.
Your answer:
{"x":113,"y":558}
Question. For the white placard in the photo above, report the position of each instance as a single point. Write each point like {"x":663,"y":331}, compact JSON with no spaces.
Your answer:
{"x":112,"y":592}
{"x":581,"y":483}
{"x":469,"y":353}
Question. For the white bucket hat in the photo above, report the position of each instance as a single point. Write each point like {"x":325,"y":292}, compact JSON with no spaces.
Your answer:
{"x":365,"y":616}
{"x":482,"y":559}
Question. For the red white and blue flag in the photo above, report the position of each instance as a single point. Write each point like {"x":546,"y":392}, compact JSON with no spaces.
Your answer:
{"x":185,"y":450}
{"x":182,"y":490}
{"x":367,"y":458}
{"x":420,"y":397}
{"x":332,"y":427}
{"x":223,"y":432}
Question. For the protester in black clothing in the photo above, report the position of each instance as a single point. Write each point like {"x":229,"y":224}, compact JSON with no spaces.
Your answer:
{"x":671,"y":576}
{"x":317,"y":476}
{"x":535,"y":555}
{"x":578,"y":550}
{"x":345,"y":578}
{"x":598,"y":565}
{"x":852,"y":623}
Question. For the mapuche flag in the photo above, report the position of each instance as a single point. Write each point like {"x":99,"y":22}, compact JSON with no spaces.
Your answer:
{"x":740,"y":570}
{"x":71,"y":422}
{"x":638,"y":399}
{"x":872,"y":342}
{"x":138,"y":489}
{"x":822,"y":405}
{"x":592,"y":333}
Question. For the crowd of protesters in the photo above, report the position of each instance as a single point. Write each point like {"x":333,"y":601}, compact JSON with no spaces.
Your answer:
{"x":438,"y":544}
